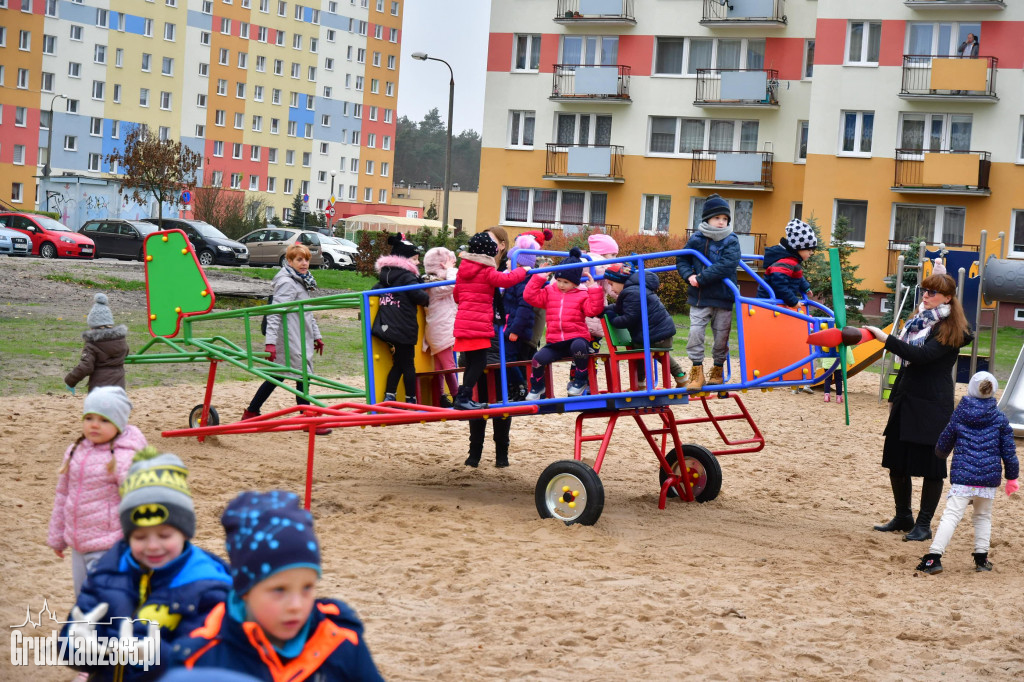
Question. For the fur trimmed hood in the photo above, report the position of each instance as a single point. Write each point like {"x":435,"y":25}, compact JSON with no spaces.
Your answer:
{"x":396,"y":262}
{"x":435,"y":259}
{"x":105,"y":333}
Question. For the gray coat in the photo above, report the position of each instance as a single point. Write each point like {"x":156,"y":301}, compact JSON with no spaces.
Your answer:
{"x":289,"y":288}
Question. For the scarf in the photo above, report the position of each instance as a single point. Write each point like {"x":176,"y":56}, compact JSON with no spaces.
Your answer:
{"x":920,"y":326}
{"x":715,"y":234}
{"x":307,"y":279}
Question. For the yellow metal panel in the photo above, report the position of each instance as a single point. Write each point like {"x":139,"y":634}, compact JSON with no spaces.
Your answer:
{"x":950,"y":169}
{"x":959,"y":74}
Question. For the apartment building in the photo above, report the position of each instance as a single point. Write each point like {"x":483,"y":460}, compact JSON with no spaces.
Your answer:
{"x":280,"y":98}
{"x":627,"y":114}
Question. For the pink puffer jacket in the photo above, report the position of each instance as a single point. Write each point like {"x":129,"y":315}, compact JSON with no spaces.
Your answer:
{"x":566,"y":313}
{"x":474,"y":293}
{"x":85,"y":514}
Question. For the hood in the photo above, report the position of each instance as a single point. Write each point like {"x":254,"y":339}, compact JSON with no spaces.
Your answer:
{"x":977,"y":412}
{"x":480,"y":258}
{"x":396,"y":262}
{"x":97,"y":335}
{"x":775,"y":253}
{"x":434,"y":261}
{"x":651,"y":280}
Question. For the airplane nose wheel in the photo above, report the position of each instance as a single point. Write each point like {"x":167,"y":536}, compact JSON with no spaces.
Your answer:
{"x":212,"y":418}
{"x":702,"y":468}
{"x":570,"y":491}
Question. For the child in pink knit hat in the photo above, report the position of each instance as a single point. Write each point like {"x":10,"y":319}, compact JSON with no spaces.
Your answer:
{"x":601,"y":247}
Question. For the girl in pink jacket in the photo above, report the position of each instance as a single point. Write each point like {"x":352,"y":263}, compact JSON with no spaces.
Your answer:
{"x":567,"y":305}
{"x":85,"y":516}
{"x":439,"y":336}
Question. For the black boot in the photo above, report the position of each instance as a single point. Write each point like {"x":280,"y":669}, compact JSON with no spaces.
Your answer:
{"x":931,"y":491}
{"x":930,"y":564}
{"x":501,"y":440}
{"x":904,"y":519}
{"x":981,"y":562}
{"x":477,"y":429}
{"x":464,"y":400}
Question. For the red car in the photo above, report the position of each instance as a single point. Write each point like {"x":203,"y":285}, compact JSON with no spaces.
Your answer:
{"x":50,"y":239}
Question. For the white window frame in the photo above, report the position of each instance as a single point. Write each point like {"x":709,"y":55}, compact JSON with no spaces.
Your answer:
{"x":867,"y":25}
{"x":737,"y":135}
{"x":685,"y":71}
{"x":643,"y":212}
{"x":940,"y":214}
{"x":695,"y":215}
{"x":801,"y":126}
{"x":530,"y":38}
{"x":808,"y":48}
{"x":858,"y":133}
{"x":835,"y":216}
{"x":523,"y":114}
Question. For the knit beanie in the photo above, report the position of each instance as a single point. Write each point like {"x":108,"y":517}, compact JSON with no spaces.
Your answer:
{"x":156,"y":492}
{"x":938,"y":268}
{"x":100,"y":315}
{"x":268,"y":533}
{"x":111,"y":403}
{"x":715,"y":205}
{"x":800,"y":235}
{"x":526,"y":241}
{"x":618,"y":272}
{"x":482,"y":244}
{"x":573,"y":274}
{"x":601,"y":244}
{"x":975,"y":388}
{"x":400,"y":246}
{"x":541,"y":236}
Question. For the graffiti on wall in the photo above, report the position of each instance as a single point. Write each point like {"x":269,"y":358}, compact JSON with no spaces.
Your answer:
{"x":79,"y":202}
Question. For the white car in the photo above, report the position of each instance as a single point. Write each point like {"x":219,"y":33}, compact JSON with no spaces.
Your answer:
{"x":14,"y":243}
{"x":338,"y":253}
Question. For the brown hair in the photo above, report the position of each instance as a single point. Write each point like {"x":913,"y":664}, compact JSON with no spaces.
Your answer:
{"x":296,"y":250}
{"x":953,"y":329}
{"x":66,"y":466}
{"x":502,"y":236}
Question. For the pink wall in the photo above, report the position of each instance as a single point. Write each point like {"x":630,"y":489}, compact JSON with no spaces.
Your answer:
{"x":499,"y":52}
{"x":637,"y":52}
{"x":787,"y":56}
{"x":830,"y":42}
{"x":1002,"y":39}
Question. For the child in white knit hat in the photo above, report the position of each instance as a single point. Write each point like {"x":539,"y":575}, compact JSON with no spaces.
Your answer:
{"x":106,"y":347}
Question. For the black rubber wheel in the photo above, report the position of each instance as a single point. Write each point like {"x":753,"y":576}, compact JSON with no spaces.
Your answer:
{"x":48,"y":250}
{"x":212,"y":419}
{"x":328,"y":262}
{"x":206,"y":257}
{"x":570,"y":491}
{"x":704,"y":468}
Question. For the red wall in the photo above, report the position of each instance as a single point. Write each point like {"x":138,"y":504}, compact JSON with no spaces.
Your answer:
{"x":786,"y":55}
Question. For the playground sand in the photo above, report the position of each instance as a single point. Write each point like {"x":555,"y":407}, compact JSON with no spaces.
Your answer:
{"x":457,"y":578}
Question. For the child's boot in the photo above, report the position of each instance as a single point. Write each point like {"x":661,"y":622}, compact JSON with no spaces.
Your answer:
{"x":680,"y":381}
{"x":246,"y":414}
{"x":981,"y":562}
{"x":717,"y":376}
{"x":828,"y":397}
{"x":578,"y":384}
{"x":389,"y":397}
{"x":446,"y":401}
{"x":696,"y":381}
{"x":464,"y":400}
{"x":930,"y":564}
{"x":477,"y":430}
{"x":839,"y":398}
{"x":501,"y":440}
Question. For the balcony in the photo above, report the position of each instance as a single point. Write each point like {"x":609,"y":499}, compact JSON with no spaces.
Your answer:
{"x":955,"y":4}
{"x":575,"y":228}
{"x":584,"y":83}
{"x":942,"y":171}
{"x":586,"y":163}
{"x":715,"y":169}
{"x":603,"y":12}
{"x":900,"y":248}
{"x":952,"y":79}
{"x":744,"y":13}
{"x":753,"y":88}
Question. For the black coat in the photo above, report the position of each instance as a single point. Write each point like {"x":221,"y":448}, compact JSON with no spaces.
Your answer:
{"x":626,"y":314}
{"x":396,"y":320}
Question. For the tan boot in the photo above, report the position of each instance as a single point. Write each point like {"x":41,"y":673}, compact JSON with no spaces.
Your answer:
{"x":696,"y":378}
{"x":716,"y":378}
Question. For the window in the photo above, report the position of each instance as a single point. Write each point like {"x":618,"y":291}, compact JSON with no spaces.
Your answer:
{"x":353,"y":166}
{"x":371,"y":140}
{"x":119,"y":57}
{"x":681,"y":136}
{"x":297,"y":41}
{"x":146,"y":60}
{"x":385,"y":169}
{"x":376,"y":59}
{"x":742,"y":214}
{"x":288,"y":185}
{"x":243,"y":60}
{"x":941,"y":39}
{"x":116,"y":97}
{"x":239,"y":120}
{"x":257,"y":93}
{"x":19,"y":155}
{"x":219,"y":117}
{"x":200,"y":130}
{"x":167,"y":68}
{"x":254,"y":153}
{"x":218,"y":148}
{"x":682,"y":56}
{"x":374,"y":86}
{"x":243,"y":30}
{"x":293,"y":99}
{"x":94,"y":162}
{"x":327,"y":91}
{"x":325,"y":148}
{"x":801,"y":141}
{"x":274,"y":125}
{"x":305,"y":159}
{"x":261,"y":63}
{"x":271,"y":184}
{"x":165,"y":101}
{"x":223,"y":56}
{"x":655,"y":214}
{"x":169,"y":31}
{"x":144,"y":97}
{"x":311,"y":73}
{"x":240,"y":90}
{"x":46,"y":83}
{"x":217,"y":179}
{"x":19,"y":116}
{"x":207,"y":7}
{"x":934,"y":224}
{"x":367,"y":194}
{"x":289,"y":157}
{"x":325,"y":120}
{"x":236,"y":181}
{"x":583,"y":129}
{"x":378,"y":32}
{"x":204,"y":38}
{"x":282,"y":9}
{"x":808,"y":58}
{"x":16,"y":192}
{"x":3,"y":36}
{"x":373,"y":113}
{"x":51,"y":8}
{"x":295,"y":69}
{"x":293,"y":128}
{"x":527,"y":53}
{"x":355,"y":137}
{"x":102,"y":17}
{"x":99,"y":54}
{"x":70,"y":143}
{"x":392,"y":35}
{"x":257,"y":124}
{"x":275,"y":96}
{"x":856,"y":133}
{"x":115,"y":130}
{"x":391,"y":62}
{"x":265,"y":6}
{"x":236,"y":150}
{"x":387,"y":115}
{"x":25,"y":40}
{"x":261,"y":34}
{"x":394,"y":8}
{"x":359,"y":83}
{"x":389,"y":89}
{"x":796,"y":210}
{"x":271,"y":154}
{"x":49,"y":44}
{"x":386,"y":143}
{"x":570,"y":207}
{"x":222,"y":87}
{"x":935,"y":132}
{"x":23,"y":79}
{"x":98,"y":89}
{"x":147,"y":28}
{"x":1017,"y":235}
{"x":278,"y":67}
{"x":331,"y":35}
{"x":863,"y":42}
{"x":856,"y":212}
{"x":314,"y":45}
{"x":225,"y":26}
{"x":76,"y":32}
{"x":329,"y":64}
{"x":279,"y":38}
{"x":72,"y":106}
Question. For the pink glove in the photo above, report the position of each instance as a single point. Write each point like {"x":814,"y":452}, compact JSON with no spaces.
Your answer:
{"x":272,"y":349}
{"x":1012,"y":486}
{"x":318,"y":346}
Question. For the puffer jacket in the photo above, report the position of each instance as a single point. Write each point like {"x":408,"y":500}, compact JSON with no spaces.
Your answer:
{"x":397,"y":316}
{"x":102,"y":358}
{"x":981,"y":439}
{"x":474,"y":293}
{"x":85,"y":514}
{"x":784,"y":273}
{"x":565,"y":313}
{"x":626,"y":314}
{"x":287,"y":288}
{"x":724,"y":255}
{"x":440,"y":331}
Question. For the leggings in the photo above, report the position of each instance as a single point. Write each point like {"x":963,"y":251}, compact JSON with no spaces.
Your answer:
{"x":446,"y":360}
{"x":403,"y":366}
{"x":578,"y":348}
{"x":837,"y":377}
{"x":476,"y":362}
{"x":266,"y":388}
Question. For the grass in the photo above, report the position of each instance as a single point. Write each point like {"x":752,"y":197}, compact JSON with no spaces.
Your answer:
{"x":105,"y":282}
{"x":342,"y":280}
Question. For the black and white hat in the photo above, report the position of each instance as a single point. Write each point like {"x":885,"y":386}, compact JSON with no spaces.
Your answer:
{"x":800,"y":235}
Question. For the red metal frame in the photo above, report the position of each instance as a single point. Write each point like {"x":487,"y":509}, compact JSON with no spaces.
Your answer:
{"x":210,"y":378}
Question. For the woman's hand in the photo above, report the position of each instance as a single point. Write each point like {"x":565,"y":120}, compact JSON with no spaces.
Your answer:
{"x":877,"y":333}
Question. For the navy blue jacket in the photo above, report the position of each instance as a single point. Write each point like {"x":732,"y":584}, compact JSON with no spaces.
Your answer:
{"x":625,"y":314}
{"x":333,"y":650}
{"x":785,"y":275}
{"x":180,"y":595}
{"x":981,"y":439}
{"x":519,"y":314}
{"x":724,"y":255}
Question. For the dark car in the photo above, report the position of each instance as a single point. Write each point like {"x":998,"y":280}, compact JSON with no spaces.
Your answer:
{"x":212,"y":246}
{"x":50,"y":239}
{"x":118,"y":238}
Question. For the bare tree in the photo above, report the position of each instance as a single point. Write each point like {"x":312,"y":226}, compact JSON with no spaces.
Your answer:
{"x":214,"y":204}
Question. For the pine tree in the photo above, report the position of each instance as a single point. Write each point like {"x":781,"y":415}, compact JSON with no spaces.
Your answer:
{"x":819,"y":275}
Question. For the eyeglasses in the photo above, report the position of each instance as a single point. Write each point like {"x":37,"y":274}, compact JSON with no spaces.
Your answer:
{"x":931,"y":292}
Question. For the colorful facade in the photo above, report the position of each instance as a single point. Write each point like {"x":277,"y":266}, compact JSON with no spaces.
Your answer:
{"x":275,"y":95}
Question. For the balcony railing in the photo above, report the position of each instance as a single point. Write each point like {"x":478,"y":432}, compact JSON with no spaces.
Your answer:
{"x":593,"y":163}
{"x":899,"y":248}
{"x":576,"y":228}
{"x":942,"y":171}
{"x":744,"y":13}
{"x":751,"y":243}
{"x":607,"y":12}
{"x":715,"y":168}
{"x":737,"y":88}
{"x":955,"y":4}
{"x":582,"y":82}
{"x":943,"y":77}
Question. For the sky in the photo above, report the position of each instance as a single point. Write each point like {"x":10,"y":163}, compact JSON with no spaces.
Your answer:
{"x":455,"y":31}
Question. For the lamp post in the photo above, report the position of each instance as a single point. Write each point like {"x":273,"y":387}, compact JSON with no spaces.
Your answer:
{"x":331,"y":218}
{"x":422,"y":56}
{"x":49,"y":137}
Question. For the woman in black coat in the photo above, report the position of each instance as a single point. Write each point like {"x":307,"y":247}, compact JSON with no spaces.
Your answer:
{"x":922,"y":401}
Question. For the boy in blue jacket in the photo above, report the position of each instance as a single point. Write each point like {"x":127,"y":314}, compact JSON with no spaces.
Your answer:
{"x":154,"y":575}
{"x":711,"y":300}
{"x":783,"y":263}
{"x":981,"y":439}
{"x":272,"y":626}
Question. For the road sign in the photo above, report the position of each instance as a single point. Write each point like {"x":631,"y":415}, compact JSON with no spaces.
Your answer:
{"x":186,"y":197}
{"x":305,"y":198}
{"x":329,"y":211}
{"x":332,"y":199}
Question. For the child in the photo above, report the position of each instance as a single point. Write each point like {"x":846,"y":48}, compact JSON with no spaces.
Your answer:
{"x":271,"y":625}
{"x":156,"y":573}
{"x":783,"y":263}
{"x":474,"y":321}
{"x":709,"y":296}
{"x":837,"y":376}
{"x":567,"y":305}
{"x":601,"y":247}
{"x":85,"y":510}
{"x":106,"y":347}
{"x":439,"y":336}
{"x":520,"y":316}
{"x":397,"y":322}
{"x":291,"y":283}
{"x":981,"y":439}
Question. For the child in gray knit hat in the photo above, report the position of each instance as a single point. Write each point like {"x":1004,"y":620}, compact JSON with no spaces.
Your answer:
{"x":106,"y":347}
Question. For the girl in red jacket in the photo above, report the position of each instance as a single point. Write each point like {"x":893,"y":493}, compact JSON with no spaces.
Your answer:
{"x":567,"y":306}
{"x":474,"y":320}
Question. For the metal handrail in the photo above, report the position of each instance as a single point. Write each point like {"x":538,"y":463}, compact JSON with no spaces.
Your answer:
{"x":568,"y":10}
{"x":909,"y":168}
{"x":718,"y":10}
{"x":702,"y":169}
{"x":709,"y":86}
{"x":557,"y":161}
{"x":917,"y":75}
{"x":564,"y":81}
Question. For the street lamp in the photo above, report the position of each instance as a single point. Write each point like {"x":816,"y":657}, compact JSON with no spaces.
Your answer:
{"x":331,"y":218}
{"x":422,"y":56}
{"x":49,"y":137}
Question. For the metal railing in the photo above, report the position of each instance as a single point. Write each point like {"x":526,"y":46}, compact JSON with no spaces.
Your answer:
{"x":563,"y":84}
{"x":709,"y":87}
{"x":917,"y":77}
{"x":702,"y":169}
{"x":568,"y":11}
{"x":955,"y":4}
{"x":910,"y":169}
{"x":716,"y":11}
{"x":575,"y":228}
{"x":559,"y":162}
{"x":898,"y":248}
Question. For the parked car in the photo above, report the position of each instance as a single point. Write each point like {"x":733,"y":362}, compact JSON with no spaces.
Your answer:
{"x":337,"y":253}
{"x":268,"y":246}
{"x":212,"y":246}
{"x":118,"y":238}
{"x":14,"y":243}
{"x":50,"y":239}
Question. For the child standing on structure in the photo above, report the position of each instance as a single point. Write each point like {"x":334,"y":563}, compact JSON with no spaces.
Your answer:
{"x":106,"y":347}
{"x":397,"y":320}
{"x":783,"y":264}
{"x":981,"y":440}
{"x":439,"y":336}
{"x":710,"y":298}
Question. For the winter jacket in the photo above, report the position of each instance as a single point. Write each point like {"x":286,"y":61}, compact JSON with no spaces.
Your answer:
{"x":396,"y":320}
{"x":785,"y":275}
{"x":626,"y":314}
{"x":518,"y":313}
{"x":474,"y":294}
{"x":566,"y":313}
{"x":333,"y":649}
{"x":288,"y":288}
{"x":178,"y":596}
{"x":724,"y":255}
{"x":440,"y":331}
{"x":102,"y":358}
{"x":981,"y":439}
{"x":85,"y":514}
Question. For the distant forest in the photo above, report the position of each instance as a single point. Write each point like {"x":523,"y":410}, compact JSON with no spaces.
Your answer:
{"x":419,"y":153}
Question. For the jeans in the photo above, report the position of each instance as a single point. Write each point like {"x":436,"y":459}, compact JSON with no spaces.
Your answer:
{"x":721,"y":325}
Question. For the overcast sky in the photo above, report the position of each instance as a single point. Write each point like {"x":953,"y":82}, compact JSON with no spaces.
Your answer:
{"x":455,"y":31}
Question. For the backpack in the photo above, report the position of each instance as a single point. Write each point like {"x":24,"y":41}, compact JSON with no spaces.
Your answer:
{"x":263,"y":323}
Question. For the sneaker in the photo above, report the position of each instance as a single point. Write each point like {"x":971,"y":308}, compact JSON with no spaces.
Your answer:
{"x":981,"y":562}
{"x":323,"y":431}
{"x":930,"y":564}
{"x":389,"y":397}
{"x":578,"y":386}
{"x":446,"y":401}
{"x":536,"y":394}
{"x":696,"y":381}
{"x":246,"y":414}
{"x":828,"y":397}
{"x":839,"y":399}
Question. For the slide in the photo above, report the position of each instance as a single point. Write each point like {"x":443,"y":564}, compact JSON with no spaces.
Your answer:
{"x":1012,"y":401}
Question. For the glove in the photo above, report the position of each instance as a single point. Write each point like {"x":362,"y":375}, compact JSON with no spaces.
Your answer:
{"x":1012,"y":486}
{"x":129,"y":642}
{"x":70,"y":388}
{"x":609,"y":310}
{"x":83,"y":629}
{"x":318,"y":346}
{"x":272,"y":349}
